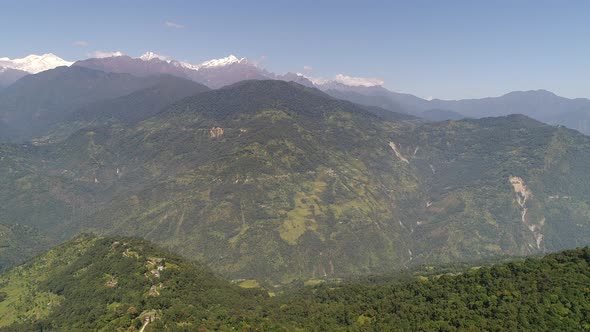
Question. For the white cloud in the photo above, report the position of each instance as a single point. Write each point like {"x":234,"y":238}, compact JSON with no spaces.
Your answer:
{"x":358,"y":81}
{"x":174,"y":25}
{"x":81,"y":43}
{"x":307,"y":68}
{"x":103,"y":54}
{"x":260,"y":60}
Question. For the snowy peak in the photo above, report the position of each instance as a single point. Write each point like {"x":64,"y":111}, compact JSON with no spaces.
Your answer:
{"x":210,"y":64}
{"x":148,"y":56}
{"x":229,"y":60}
{"x":34,"y":63}
{"x":216,"y":63}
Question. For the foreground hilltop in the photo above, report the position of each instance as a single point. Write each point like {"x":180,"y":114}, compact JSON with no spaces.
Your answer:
{"x":92,"y":283}
{"x":127,"y":284}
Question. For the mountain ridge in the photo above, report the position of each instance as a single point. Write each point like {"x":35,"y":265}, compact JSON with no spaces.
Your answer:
{"x":35,"y":104}
{"x":215,"y":73}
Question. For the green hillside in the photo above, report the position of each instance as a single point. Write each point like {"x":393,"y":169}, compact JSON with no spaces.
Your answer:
{"x":139,"y":105}
{"x":19,"y":243}
{"x":277,"y":182}
{"x":97,"y":284}
{"x":538,"y":294}
{"x":506,"y":185}
{"x":126,"y":284}
{"x":38,"y":103}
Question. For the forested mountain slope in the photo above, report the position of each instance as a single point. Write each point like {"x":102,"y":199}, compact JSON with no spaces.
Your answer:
{"x":35,"y":104}
{"x":278,"y":182}
{"x":127,"y":284}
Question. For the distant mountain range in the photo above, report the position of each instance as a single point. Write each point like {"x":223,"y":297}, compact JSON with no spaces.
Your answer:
{"x":34,"y":63}
{"x":213,"y":73}
{"x":12,"y":70}
{"x":30,"y":106}
{"x":541,"y":105}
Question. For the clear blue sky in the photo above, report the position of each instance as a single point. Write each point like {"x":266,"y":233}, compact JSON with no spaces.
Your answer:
{"x":444,"y":49}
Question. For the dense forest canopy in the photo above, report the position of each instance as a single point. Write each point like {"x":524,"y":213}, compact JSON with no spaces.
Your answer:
{"x":122,"y":284}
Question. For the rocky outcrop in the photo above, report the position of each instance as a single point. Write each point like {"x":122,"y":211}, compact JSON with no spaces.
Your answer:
{"x":397,"y":152}
{"x":216,"y":132}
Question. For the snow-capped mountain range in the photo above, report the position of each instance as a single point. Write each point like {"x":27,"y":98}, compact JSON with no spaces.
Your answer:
{"x":34,"y":63}
{"x":229,"y":60}
{"x":147,"y":56}
{"x":322,"y":83}
{"x":214,"y":73}
{"x":12,"y":70}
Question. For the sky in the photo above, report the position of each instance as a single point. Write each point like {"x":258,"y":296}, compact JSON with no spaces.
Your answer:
{"x":440,"y":49}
